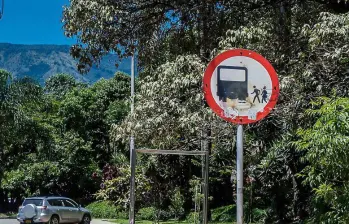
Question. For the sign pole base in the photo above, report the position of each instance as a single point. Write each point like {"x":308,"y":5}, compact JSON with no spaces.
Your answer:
{"x":240,"y":175}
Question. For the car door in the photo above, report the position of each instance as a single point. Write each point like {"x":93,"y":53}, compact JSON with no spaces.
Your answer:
{"x":72,"y":211}
{"x":57,"y":207}
{"x":79,"y":213}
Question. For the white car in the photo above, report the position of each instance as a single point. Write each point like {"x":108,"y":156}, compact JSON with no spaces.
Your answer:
{"x":52,"y":210}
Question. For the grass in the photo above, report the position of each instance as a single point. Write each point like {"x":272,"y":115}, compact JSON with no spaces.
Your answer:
{"x":6,"y":215}
{"x":125,"y":221}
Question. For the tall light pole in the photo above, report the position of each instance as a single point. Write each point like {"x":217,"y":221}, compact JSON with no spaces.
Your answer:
{"x":132,"y":149}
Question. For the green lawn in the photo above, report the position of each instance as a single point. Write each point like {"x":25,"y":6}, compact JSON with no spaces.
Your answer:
{"x":125,"y":221}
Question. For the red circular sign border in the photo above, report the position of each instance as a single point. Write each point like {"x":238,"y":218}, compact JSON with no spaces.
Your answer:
{"x":247,"y":53}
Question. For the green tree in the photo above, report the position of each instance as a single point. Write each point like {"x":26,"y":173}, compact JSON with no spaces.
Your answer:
{"x":60,"y":84}
{"x":20,"y":134}
{"x":177,"y":203}
{"x":325,"y":144}
{"x":117,"y":188}
{"x":56,"y":142}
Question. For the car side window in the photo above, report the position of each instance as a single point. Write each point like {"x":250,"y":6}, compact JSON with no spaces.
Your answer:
{"x":73,"y":202}
{"x":55,"y":202}
{"x":68,"y":203}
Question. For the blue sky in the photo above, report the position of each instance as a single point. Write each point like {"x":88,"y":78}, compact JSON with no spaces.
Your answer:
{"x":33,"y":22}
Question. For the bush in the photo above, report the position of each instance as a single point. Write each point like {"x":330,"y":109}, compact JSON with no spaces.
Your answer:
{"x":259,"y":215}
{"x":224,"y":214}
{"x":151,"y":214}
{"x":164,"y":215}
{"x":194,"y":217}
{"x":228,"y":214}
{"x":106,"y":210}
{"x":148,"y":213}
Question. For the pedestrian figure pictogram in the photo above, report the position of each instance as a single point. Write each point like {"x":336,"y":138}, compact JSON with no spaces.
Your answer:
{"x":256,"y":92}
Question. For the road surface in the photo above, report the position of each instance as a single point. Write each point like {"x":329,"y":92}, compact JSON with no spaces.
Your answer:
{"x":14,"y":221}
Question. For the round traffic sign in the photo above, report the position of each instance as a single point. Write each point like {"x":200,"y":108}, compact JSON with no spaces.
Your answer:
{"x":241,"y":86}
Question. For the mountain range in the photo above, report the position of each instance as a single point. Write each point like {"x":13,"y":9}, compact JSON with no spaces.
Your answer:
{"x":42,"y":61}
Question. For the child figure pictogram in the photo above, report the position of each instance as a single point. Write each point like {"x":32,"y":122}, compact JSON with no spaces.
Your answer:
{"x":264,"y":94}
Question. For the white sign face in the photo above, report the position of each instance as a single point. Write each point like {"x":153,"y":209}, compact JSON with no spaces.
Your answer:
{"x":241,"y":84}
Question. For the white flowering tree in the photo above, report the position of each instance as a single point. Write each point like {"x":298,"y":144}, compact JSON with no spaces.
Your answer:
{"x":169,"y":108}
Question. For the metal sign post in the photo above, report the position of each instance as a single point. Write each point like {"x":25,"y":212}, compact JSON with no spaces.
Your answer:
{"x":242,"y":87}
{"x":239,"y":175}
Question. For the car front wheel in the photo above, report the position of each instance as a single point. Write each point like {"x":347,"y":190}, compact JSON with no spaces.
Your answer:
{"x":86,"y":219}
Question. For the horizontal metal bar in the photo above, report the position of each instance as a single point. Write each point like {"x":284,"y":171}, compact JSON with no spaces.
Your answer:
{"x":171,"y":152}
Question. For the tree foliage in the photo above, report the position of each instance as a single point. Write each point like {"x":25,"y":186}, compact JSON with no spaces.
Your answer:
{"x":54,"y":139}
{"x":325,"y":144}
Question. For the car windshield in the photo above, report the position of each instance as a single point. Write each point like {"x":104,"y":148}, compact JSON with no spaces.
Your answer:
{"x":37,"y":202}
